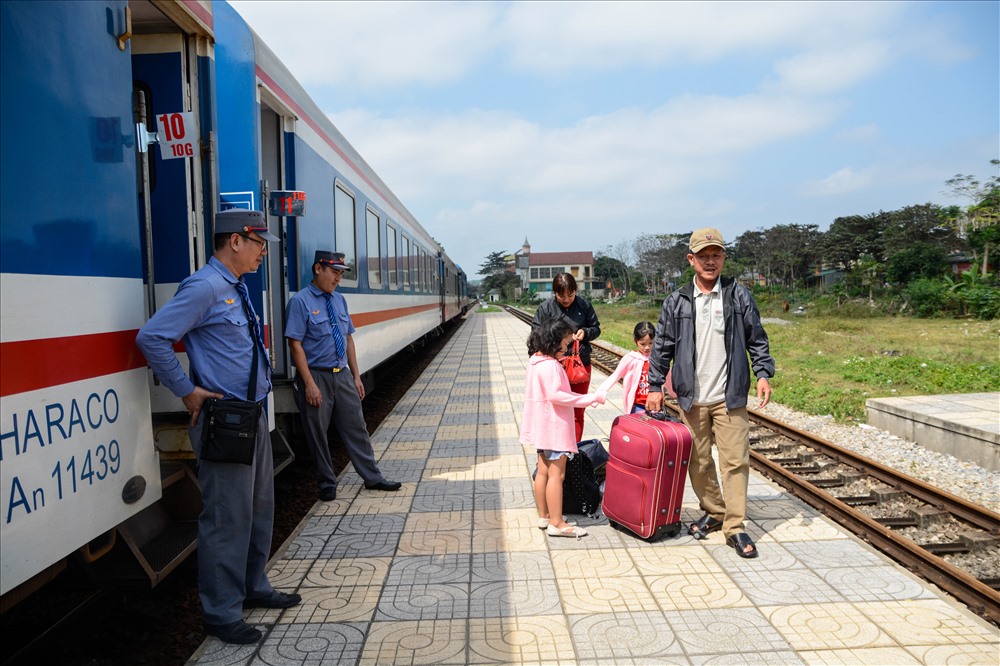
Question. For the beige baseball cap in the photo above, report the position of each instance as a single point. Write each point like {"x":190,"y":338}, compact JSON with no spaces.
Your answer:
{"x":705,"y":237}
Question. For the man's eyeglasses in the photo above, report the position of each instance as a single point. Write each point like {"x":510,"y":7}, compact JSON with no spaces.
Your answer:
{"x":261,"y":243}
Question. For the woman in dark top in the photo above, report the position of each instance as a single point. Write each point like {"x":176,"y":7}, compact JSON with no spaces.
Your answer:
{"x":579,"y":314}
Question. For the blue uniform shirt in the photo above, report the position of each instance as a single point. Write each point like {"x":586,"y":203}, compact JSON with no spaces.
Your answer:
{"x":207,"y":313}
{"x":306,"y":320}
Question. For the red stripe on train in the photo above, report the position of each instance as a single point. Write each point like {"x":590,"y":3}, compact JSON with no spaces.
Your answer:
{"x":30,"y":365}
{"x":369,"y":318}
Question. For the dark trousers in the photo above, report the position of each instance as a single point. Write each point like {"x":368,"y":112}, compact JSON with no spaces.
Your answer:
{"x":234,"y":528}
{"x":342,"y":404}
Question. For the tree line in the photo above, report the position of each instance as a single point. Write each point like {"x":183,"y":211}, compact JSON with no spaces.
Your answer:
{"x":904,"y":254}
{"x":901,"y":257}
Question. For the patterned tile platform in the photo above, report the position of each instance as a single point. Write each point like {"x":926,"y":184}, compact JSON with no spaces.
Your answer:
{"x":453,"y":569}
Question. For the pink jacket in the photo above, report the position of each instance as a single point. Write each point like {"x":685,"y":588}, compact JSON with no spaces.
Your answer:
{"x":629,"y":370}
{"x":547,"y":422}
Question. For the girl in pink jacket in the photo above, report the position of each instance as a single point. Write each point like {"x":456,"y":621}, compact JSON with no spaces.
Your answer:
{"x":633,"y":369}
{"x":548,"y":424}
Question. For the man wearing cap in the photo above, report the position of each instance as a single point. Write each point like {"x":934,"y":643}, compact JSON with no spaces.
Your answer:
{"x":327,"y":383}
{"x":706,"y":330}
{"x":211,"y":312}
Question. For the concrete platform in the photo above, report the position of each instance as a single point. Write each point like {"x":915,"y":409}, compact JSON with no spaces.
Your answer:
{"x":453,"y":569}
{"x":964,"y":426}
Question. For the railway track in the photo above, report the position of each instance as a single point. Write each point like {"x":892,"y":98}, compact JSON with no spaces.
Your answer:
{"x":945,"y":539}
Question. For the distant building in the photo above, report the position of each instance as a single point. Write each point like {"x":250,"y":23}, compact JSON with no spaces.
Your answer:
{"x":824,"y":278}
{"x":960,"y":263}
{"x":752,"y":279}
{"x":543,"y":266}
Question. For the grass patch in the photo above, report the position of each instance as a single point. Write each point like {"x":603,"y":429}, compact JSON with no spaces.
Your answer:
{"x":832,"y":365}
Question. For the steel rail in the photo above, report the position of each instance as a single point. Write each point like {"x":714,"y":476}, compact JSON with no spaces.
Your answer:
{"x":940,"y":499}
{"x":979,"y":597}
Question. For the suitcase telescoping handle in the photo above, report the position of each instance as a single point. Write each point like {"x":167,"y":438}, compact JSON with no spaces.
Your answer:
{"x":662,"y":415}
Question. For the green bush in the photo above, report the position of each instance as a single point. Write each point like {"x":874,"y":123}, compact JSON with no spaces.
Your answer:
{"x":930,"y":298}
{"x":983,"y":301}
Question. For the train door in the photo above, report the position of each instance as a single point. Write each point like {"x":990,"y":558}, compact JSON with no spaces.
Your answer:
{"x":168,"y":60}
{"x":272,"y":178}
{"x":170,"y":205}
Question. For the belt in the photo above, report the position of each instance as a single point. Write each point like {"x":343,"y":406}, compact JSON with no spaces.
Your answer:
{"x":333,"y":370}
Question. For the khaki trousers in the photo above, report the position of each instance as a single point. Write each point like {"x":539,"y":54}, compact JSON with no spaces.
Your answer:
{"x":729,"y":431}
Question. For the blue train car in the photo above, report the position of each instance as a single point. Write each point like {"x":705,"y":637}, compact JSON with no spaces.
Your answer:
{"x":76,"y":454}
{"x":125,"y":126}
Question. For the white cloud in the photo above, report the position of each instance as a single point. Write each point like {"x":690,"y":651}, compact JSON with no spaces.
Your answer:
{"x":686,"y":141}
{"x":609,"y":175}
{"x":841,"y":182}
{"x":556,"y":37}
{"x":372,"y":44}
{"x":402,"y":43}
{"x":824,"y":72}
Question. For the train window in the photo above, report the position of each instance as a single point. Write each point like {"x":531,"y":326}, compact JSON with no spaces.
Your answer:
{"x":374,"y":249}
{"x":424,"y":278}
{"x":421,"y":270}
{"x":390,"y":249}
{"x":344,"y":235}
{"x":418,"y":269}
{"x":406,"y":262}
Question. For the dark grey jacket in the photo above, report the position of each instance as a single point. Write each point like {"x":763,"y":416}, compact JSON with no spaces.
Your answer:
{"x":580,"y":314}
{"x":675,"y":344}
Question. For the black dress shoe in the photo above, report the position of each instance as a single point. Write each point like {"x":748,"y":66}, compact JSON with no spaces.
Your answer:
{"x":328,"y":494}
{"x":274,"y":600}
{"x":385,"y":485}
{"x":238,"y":632}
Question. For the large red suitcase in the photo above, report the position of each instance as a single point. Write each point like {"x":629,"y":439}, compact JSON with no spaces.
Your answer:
{"x":646,"y":470}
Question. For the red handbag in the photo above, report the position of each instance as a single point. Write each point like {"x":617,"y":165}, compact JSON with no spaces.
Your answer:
{"x":576,"y":371}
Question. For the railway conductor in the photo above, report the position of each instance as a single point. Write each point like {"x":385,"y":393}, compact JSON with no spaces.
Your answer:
{"x":211,"y":312}
{"x":328,"y":383}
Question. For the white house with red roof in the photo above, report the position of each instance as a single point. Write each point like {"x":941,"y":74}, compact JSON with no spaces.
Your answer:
{"x":538,"y":268}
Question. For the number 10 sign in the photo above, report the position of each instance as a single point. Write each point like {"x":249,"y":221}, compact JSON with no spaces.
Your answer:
{"x":178,"y":135}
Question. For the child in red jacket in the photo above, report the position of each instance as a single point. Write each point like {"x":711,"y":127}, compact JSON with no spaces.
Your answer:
{"x":633,"y":369}
{"x":548,"y":424}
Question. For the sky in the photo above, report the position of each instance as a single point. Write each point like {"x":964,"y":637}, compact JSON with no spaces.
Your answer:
{"x":579,"y":125}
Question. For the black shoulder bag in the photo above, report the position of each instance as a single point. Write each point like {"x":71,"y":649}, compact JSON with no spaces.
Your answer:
{"x":230,"y":432}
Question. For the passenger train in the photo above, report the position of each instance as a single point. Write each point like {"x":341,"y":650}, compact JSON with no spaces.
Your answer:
{"x":126,"y":124}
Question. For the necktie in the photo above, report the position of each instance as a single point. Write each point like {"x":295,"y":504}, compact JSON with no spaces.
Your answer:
{"x":241,"y":287}
{"x":338,"y":337}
